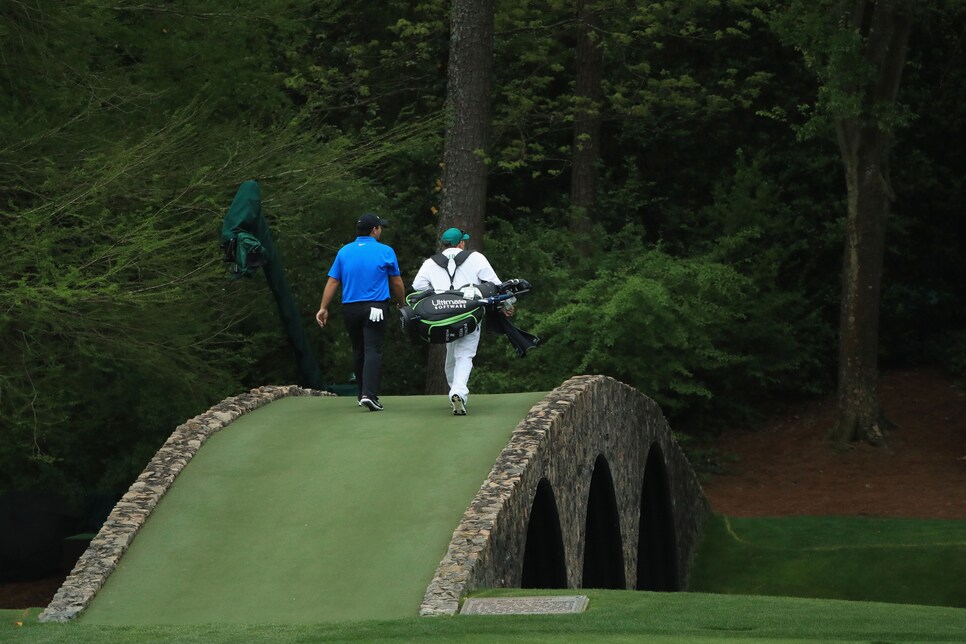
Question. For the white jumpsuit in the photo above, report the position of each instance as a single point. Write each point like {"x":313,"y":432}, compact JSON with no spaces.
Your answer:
{"x":459,"y":353}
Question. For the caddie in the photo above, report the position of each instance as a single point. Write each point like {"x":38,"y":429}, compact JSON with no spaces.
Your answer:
{"x":456,"y":268}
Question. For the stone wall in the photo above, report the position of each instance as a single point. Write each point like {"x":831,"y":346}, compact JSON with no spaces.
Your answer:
{"x":560,"y":441}
{"x":105,"y":550}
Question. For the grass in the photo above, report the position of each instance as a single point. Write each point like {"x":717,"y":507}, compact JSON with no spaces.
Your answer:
{"x":901,"y":561}
{"x":613,"y":616}
{"x":741,"y":568}
{"x":310,"y":509}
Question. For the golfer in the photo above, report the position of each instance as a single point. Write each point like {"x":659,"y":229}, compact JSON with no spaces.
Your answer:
{"x":367,"y":272}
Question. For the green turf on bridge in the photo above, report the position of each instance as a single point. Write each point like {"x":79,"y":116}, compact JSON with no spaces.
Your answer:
{"x":311,"y":510}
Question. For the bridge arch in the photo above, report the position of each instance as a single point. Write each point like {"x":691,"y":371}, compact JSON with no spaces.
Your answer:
{"x":587,"y":426}
{"x":603,"y":550}
{"x":544,"y":563}
{"x":657,"y":553}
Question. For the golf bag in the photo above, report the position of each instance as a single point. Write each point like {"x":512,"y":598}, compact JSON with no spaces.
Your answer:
{"x":440,"y":318}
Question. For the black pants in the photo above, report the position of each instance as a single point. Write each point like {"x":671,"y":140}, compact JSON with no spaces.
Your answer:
{"x":366,"y":337}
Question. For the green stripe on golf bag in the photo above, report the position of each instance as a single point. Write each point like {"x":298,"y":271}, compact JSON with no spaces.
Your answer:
{"x":439,"y":318}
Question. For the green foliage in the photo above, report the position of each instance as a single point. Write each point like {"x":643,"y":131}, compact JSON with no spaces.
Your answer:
{"x":654,"y":322}
{"x":710,"y":278}
{"x":832,"y":49}
{"x":762,"y":226}
{"x":98,"y":284}
{"x":672,"y":74}
{"x":363,"y":69}
{"x":696,"y":334}
{"x":117,"y":319}
{"x":919,"y":301}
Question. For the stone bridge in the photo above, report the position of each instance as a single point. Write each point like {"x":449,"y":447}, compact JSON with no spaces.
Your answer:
{"x":592,"y":491}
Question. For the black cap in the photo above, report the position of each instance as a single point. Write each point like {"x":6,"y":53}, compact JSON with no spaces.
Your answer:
{"x":369,"y":221}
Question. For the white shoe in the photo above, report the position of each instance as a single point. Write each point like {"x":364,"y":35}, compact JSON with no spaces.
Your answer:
{"x":458,"y":404}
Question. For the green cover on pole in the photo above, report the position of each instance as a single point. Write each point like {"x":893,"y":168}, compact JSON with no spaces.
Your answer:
{"x":248,"y":244}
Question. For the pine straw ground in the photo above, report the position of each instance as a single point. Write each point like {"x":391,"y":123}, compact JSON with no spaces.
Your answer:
{"x":786,"y":466}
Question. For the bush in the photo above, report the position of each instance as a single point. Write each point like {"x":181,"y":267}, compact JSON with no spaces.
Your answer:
{"x":701,"y":338}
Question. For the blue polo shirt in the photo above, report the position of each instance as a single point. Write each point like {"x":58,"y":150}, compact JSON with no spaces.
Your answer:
{"x":364,"y":267}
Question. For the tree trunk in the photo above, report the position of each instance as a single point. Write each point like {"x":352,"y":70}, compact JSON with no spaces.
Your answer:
{"x":864,"y":146}
{"x":589,"y":62}
{"x":435,"y":376}
{"x":868,"y":205}
{"x":463,"y":200}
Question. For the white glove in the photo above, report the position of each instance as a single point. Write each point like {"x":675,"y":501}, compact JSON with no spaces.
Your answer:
{"x":472,"y":293}
{"x":375,"y":314}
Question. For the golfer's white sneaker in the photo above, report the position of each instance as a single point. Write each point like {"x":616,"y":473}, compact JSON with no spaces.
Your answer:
{"x":458,"y":404}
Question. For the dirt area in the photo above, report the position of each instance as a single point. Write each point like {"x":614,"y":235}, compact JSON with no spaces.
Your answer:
{"x":786,"y":467}
{"x":29,"y":594}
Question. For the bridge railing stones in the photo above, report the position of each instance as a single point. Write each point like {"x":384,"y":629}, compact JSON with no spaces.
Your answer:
{"x":129,"y":514}
{"x":560,"y":440}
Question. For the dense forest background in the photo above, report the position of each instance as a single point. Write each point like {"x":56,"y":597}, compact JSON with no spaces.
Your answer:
{"x":707,"y":274}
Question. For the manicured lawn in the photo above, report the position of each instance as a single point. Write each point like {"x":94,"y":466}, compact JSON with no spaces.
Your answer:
{"x":613,"y":616}
{"x":907,"y":561}
{"x":311,"y":510}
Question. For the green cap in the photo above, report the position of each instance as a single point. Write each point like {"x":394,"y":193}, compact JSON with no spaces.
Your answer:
{"x":453,"y":236}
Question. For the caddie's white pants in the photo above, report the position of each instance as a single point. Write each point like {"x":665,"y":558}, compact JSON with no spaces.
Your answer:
{"x":459,"y":363}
